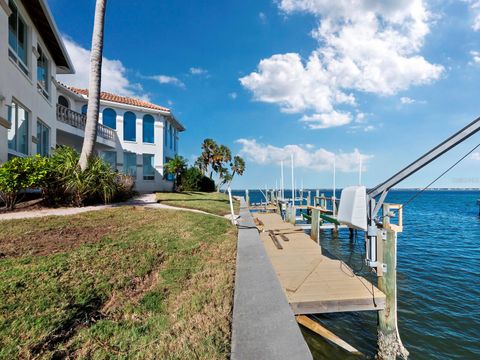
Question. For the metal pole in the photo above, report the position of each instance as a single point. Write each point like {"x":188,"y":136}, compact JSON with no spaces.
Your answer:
{"x":282,"y":184}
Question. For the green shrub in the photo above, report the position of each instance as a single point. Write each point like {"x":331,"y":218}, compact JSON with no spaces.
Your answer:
{"x":67,"y":184}
{"x":18,"y":175}
{"x":193,"y":180}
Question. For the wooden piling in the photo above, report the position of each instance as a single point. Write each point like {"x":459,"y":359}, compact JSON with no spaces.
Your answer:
{"x":309,"y":198}
{"x":247,"y":198}
{"x":389,"y":344}
{"x":314,"y":230}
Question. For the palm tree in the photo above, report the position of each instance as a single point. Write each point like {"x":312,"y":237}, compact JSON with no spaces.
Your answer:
{"x":94,"y":86}
{"x":237,"y":167}
{"x":176,"y":166}
{"x":206,"y":159}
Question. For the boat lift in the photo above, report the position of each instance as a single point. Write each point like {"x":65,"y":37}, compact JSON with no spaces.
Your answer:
{"x":359,"y":209}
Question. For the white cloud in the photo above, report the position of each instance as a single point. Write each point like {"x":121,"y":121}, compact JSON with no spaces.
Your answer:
{"x":364,"y":46}
{"x":114,"y":73}
{"x":407,"y":101}
{"x":233,"y":95}
{"x":476,"y":156}
{"x":166,"y":80}
{"x":326,"y":120}
{"x":198,"y":71}
{"x":304,"y":156}
{"x":475,"y":56}
{"x":475,"y":8}
{"x":262,"y":17}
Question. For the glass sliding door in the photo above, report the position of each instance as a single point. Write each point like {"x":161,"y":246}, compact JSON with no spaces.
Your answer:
{"x":19,"y":129}
{"x":43,"y":139}
{"x":148,"y":167}
{"x":130,"y":164}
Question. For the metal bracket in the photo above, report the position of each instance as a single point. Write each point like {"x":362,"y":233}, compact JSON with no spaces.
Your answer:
{"x":384,"y":268}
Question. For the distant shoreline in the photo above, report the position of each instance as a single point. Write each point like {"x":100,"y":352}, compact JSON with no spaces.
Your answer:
{"x":394,"y":189}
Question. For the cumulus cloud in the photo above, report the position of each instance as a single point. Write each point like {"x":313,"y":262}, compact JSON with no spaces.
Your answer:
{"x":326,"y":120}
{"x":306,"y":156}
{"x":475,"y":9}
{"x":165,"y":79}
{"x":114,"y":73}
{"x":233,"y":95}
{"x":364,"y":46}
{"x":475,"y":56}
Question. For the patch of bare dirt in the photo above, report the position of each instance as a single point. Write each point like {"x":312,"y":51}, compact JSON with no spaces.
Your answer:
{"x":47,"y":242}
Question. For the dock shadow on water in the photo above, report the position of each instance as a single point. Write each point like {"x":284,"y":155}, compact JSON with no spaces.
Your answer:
{"x":359,"y":329}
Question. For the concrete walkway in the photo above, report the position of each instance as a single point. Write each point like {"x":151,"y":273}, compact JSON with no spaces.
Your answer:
{"x":147,"y":200}
{"x":264,"y":326}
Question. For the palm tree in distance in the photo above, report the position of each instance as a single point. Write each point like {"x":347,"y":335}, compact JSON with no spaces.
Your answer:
{"x":94,"y":85}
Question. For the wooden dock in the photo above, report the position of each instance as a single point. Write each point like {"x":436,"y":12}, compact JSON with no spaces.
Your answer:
{"x":312,"y":282}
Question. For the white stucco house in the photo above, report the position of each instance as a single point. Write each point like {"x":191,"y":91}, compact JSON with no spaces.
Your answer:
{"x":38,"y":113}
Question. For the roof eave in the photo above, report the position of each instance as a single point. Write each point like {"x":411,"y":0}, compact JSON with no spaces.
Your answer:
{"x":69,"y":68}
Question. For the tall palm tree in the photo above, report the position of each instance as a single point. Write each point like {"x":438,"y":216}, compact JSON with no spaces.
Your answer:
{"x":95,"y":84}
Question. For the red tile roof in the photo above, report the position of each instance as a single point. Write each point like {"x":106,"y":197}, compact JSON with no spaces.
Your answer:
{"x":120,"y":99}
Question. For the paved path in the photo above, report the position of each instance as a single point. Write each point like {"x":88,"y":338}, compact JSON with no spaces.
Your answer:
{"x":147,"y":200}
{"x":264,"y":326}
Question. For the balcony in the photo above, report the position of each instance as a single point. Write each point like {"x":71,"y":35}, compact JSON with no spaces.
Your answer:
{"x":78,"y":121}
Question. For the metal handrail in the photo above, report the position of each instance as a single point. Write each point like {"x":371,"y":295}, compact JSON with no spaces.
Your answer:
{"x":79,"y":121}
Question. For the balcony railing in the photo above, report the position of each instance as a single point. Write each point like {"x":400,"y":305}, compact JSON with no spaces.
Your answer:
{"x":78,"y":120}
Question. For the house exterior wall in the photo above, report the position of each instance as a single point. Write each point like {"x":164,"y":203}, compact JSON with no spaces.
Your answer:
{"x":22,"y":88}
{"x":160,"y":152}
{"x":17,"y":86}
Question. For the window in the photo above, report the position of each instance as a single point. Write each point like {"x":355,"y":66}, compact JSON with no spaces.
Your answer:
{"x":43,"y":139}
{"x":130,"y":164}
{"x":148,"y":167}
{"x":62,"y":100}
{"x":84,"y":109}
{"x":18,"y":132}
{"x":168,"y":176}
{"x":175,"y":141}
{"x":129,"y":126}
{"x":165,"y":129}
{"x":109,"y":118}
{"x":171,"y":136}
{"x":110,"y":157}
{"x":148,"y":129}
{"x":42,"y":72}
{"x":17,"y":38}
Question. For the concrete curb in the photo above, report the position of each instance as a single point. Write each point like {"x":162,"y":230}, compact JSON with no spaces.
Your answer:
{"x":264,"y":325}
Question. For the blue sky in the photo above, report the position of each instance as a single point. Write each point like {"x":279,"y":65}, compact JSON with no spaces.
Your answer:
{"x":270,"y":77}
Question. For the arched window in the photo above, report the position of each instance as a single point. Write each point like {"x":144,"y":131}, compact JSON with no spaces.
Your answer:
{"x":148,"y":129}
{"x":84,"y":109}
{"x":62,"y":100}
{"x":109,"y":118}
{"x":129,"y":126}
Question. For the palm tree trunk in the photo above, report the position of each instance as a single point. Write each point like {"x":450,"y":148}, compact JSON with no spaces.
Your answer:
{"x":94,"y":86}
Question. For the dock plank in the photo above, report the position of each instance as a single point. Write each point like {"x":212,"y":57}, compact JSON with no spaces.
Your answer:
{"x":329,"y":286}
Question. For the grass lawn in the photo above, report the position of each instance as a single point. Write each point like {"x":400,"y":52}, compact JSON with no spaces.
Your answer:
{"x":215,"y":203}
{"x":119,"y":283}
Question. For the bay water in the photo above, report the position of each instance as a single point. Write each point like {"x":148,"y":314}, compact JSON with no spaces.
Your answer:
{"x":438,"y":277}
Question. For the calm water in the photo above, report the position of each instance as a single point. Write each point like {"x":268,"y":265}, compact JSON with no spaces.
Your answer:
{"x":438,"y":280}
